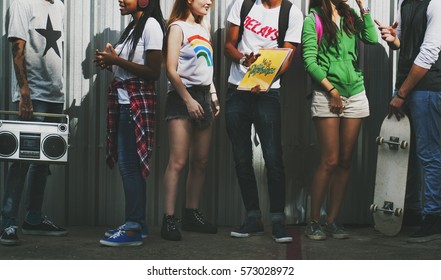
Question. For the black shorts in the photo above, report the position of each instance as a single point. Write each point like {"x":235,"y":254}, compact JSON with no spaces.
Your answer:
{"x":175,"y":107}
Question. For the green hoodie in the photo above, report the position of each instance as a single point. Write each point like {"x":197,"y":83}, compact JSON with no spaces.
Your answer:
{"x":337,"y":62}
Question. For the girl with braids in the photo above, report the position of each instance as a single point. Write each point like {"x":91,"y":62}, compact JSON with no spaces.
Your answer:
{"x":339,"y":101}
{"x":188,"y":112}
{"x":136,"y":64}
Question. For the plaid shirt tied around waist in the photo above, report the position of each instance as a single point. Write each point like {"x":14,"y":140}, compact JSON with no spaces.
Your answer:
{"x":142,"y":107}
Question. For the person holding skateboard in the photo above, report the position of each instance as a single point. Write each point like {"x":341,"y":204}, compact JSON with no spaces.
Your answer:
{"x":339,"y":102}
{"x":418,"y":86}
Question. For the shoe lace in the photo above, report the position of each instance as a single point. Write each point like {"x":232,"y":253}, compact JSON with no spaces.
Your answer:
{"x":171,"y":222}
{"x":48,"y":222}
{"x":117,"y":234}
{"x":10,"y":229}
{"x":315,"y":226}
{"x":199,"y":216}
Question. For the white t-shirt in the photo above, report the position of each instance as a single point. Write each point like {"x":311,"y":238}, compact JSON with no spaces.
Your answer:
{"x":261,"y":31}
{"x":195,"y":65}
{"x":41,"y":25}
{"x":151,"y":39}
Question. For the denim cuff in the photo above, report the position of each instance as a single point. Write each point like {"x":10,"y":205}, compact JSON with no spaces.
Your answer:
{"x":254,"y":214}
{"x":133,"y":226}
{"x":7,"y":222}
{"x":277,"y":217}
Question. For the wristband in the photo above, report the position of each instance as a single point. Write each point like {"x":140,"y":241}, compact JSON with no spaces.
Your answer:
{"x":329,"y":91}
{"x":213,"y":93}
{"x":365,"y":10}
{"x":400,"y":97}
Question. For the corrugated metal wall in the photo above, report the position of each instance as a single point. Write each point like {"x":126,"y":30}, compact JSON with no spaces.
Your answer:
{"x":86,"y":192}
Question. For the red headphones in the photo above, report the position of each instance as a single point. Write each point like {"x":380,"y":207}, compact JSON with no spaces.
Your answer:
{"x":143,"y":3}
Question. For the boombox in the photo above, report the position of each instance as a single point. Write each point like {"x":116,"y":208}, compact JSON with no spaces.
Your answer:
{"x":34,"y":141}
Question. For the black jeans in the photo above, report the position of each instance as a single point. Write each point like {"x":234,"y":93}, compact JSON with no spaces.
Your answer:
{"x":241,"y":111}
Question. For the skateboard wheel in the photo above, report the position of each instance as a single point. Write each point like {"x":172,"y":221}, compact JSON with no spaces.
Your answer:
{"x":373,"y":208}
{"x":404,"y":144}
{"x":398,"y":211}
{"x":380,"y":140}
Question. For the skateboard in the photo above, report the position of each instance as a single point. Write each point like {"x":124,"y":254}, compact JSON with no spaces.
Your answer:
{"x":390,"y":181}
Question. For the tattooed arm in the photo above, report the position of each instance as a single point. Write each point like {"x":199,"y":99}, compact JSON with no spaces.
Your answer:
{"x":25,"y":109}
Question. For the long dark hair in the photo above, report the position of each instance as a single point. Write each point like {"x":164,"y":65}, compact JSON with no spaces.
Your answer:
{"x":153,"y":10}
{"x":329,"y":27}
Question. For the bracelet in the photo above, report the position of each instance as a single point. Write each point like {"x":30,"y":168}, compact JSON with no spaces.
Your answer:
{"x":365,"y":10}
{"x":329,"y":91}
{"x":242,"y":60}
{"x":400,"y":97}
{"x":214,"y":92}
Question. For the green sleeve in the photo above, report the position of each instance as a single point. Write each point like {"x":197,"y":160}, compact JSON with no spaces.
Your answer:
{"x":310,"y":49}
{"x":368,"y":31}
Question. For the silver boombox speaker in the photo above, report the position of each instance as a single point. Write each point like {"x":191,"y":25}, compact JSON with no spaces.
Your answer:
{"x":34,"y":141}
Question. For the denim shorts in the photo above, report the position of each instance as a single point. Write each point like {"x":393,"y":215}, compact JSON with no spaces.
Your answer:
{"x":356,"y":106}
{"x":175,"y":107}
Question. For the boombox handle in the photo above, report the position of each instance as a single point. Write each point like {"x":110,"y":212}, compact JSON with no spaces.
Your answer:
{"x":49,"y":115}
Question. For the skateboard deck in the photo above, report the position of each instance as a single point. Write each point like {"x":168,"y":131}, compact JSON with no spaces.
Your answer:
{"x":390,"y":182}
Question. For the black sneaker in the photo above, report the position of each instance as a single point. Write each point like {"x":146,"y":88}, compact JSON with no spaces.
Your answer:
{"x":169,"y":230}
{"x":280,"y":233}
{"x":430,"y":230}
{"x":195,"y":221}
{"x":8,"y":236}
{"x":251,"y":226}
{"x":412,"y":218}
{"x":46,"y":227}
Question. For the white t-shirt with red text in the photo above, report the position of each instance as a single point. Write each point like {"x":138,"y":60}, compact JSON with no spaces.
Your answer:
{"x":261,"y":31}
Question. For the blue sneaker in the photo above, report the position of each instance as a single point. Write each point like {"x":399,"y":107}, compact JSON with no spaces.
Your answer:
{"x":144,"y":231}
{"x":120,"y":238}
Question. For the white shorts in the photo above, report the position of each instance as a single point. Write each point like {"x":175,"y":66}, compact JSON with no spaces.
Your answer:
{"x":354,"y":107}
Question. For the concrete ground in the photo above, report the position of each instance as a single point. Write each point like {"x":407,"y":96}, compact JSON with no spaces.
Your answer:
{"x":82,"y":243}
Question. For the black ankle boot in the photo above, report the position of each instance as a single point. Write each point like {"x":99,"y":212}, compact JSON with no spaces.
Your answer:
{"x":169,"y":229}
{"x":195,"y":221}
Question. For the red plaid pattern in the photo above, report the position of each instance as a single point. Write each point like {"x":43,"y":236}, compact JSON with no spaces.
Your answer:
{"x":143,"y":107}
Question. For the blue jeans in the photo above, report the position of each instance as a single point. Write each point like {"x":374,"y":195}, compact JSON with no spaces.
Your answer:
{"x":130,"y":170}
{"x":36,"y":174}
{"x":425,"y":108}
{"x":414,"y":180}
{"x":241,"y":111}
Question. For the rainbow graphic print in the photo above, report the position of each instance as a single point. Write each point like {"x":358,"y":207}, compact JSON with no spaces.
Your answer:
{"x":202,"y":48}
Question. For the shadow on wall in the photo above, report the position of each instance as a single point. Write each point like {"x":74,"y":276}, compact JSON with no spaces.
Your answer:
{"x":87,"y":136}
{"x":93,"y":101}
